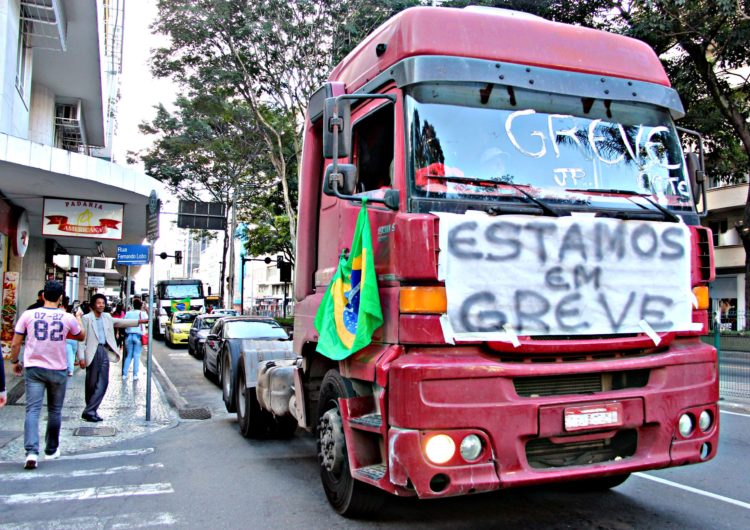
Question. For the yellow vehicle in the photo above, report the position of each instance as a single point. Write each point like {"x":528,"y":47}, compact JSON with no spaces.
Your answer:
{"x":177,"y":329}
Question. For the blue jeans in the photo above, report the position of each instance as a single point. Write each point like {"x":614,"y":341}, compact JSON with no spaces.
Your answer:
{"x":71,"y":347}
{"x":133,"y":349}
{"x":38,"y":380}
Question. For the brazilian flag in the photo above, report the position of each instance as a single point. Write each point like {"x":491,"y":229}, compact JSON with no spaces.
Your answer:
{"x":350,"y":310}
{"x":181,"y":305}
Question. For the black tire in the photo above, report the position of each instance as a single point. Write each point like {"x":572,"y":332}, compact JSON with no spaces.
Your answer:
{"x":254,"y":422}
{"x":191,"y":351}
{"x":199,"y":352}
{"x":348,"y":497}
{"x":598,"y":484}
{"x":206,"y":372}
{"x":225,"y":376}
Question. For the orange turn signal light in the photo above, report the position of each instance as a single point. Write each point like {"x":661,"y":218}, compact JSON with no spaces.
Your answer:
{"x":420,"y":299}
{"x":701,"y":294}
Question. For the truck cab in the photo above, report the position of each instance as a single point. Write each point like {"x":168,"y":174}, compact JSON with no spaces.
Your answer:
{"x":541,"y":267}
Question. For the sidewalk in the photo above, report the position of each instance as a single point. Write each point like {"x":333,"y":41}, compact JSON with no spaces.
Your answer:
{"x":124,"y":408}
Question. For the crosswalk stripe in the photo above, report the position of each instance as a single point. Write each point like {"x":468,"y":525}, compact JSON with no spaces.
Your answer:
{"x":78,"y":473}
{"x":92,"y":456}
{"x":107,"y":454}
{"x":128,"y":520}
{"x":104,"y":492}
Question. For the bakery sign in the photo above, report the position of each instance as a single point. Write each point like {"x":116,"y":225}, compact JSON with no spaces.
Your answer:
{"x":82,"y":218}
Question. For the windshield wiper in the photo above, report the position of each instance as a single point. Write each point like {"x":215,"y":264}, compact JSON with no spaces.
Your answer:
{"x":667,"y":214}
{"x":473,"y":180}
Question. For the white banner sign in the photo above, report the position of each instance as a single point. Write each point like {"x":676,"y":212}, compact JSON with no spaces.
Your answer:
{"x":95,"y":281}
{"x":82,"y":218}
{"x":524,"y":275}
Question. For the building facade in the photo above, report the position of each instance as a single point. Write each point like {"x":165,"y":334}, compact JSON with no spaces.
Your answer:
{"x":59,"y":67}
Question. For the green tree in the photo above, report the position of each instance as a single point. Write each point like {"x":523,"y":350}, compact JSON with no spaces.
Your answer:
{"x":205,"y":150}
{"x":267,"y":53}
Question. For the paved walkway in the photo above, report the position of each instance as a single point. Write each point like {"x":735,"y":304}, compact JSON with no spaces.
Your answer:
{"x":124,"y":408}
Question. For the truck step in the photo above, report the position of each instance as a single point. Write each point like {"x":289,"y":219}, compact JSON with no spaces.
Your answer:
{"x":368,"y":422}
{"x":374,"y":472}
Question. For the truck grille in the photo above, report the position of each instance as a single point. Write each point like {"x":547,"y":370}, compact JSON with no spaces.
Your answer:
{"x":561,"y":385}
{"x":542,"y":453}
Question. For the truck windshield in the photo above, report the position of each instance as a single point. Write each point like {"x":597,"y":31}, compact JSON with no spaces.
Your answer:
{"x":180,"y":291}
{"x":471,"y":141}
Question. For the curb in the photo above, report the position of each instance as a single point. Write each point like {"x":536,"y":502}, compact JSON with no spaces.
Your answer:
{"x":168,"y":388}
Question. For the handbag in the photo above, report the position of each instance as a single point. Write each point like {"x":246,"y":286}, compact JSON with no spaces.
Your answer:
{"x":144,"y":335}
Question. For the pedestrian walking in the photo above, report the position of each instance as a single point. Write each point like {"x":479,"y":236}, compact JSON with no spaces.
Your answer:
{"x":100,"y":348}
{"x":133,"y":340}
{"x":71,"y":345}
{"x":44,"y":365}
{"x":119,"y":312}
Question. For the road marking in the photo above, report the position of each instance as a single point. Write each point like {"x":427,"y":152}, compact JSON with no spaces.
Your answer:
{"x":79,"y":473}
{"x":695,"y":490}
{"x":128,"y":520}
{"x":179,"y":354}
{"x":734,"y":413}
{"x":107,"y":454}
{"x":101,"y":454}
{"x":104,"y":492}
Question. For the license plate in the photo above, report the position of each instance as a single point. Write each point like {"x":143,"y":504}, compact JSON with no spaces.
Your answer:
{"x":593,"y":416}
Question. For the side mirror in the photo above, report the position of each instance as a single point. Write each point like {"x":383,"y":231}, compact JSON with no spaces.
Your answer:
{"x":212,"y":336}
{"x":344,"y":180}
{"x":696,"y":173}
{"x":343,"y":119}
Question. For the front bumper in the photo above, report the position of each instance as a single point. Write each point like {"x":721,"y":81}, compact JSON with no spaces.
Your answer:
{"x":526,"y":442}
{"x":180,"y":337}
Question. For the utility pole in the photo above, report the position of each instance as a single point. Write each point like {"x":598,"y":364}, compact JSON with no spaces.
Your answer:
{"x":229,"y":302}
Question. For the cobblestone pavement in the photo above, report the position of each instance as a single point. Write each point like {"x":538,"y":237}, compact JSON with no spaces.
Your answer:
{"x":124,"y":408}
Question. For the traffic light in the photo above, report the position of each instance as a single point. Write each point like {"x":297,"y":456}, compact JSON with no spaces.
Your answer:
{"x":177,"y":257}
{"x":279,"y":261}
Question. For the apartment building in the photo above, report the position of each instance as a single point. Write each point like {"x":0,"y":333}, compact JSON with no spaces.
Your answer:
{"x":726,"y":204}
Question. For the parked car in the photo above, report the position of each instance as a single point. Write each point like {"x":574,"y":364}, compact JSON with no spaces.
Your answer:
{"x":177,"y":329}
{"x":222,"y":349}
{"x":199,"y":331}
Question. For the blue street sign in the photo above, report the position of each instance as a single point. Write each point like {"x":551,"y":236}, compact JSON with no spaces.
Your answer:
{"x":132,"y":254}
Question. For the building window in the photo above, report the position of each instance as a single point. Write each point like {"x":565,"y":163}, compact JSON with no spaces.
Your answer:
{"x":718,"y":227}
{"x":24,"y":44}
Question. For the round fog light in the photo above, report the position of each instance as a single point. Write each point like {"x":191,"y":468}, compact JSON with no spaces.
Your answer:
{"x":471,"y":447}
{"x":705,"y":420}
{"x":686,"y":425}
{"x":440,"y":448}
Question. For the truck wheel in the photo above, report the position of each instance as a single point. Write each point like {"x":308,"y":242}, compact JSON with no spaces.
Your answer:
{"x":226,"y":383}
{"x":253,"y":421}
{"x":349,"y":497}
{"x":598,"y":484}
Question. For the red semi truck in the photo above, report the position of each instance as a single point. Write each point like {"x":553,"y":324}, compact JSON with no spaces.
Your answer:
{"x":542,"y":271}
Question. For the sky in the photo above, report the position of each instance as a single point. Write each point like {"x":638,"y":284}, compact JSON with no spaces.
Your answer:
{"x":139,"y":90}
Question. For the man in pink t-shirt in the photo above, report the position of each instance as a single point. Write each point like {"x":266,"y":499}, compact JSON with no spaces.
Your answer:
{"x":44,"y":367}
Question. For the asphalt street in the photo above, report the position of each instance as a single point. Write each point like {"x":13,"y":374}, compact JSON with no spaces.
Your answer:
{"x":203,"y":474}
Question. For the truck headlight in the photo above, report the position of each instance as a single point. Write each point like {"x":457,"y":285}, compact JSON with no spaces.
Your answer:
{"x":705,"y":420}
{"x":471,"y":447}
{"x":440,"y":448}
{"x":685,"y":425}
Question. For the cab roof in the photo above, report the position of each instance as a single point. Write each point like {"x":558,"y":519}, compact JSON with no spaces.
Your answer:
{"x":498,"y":35}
